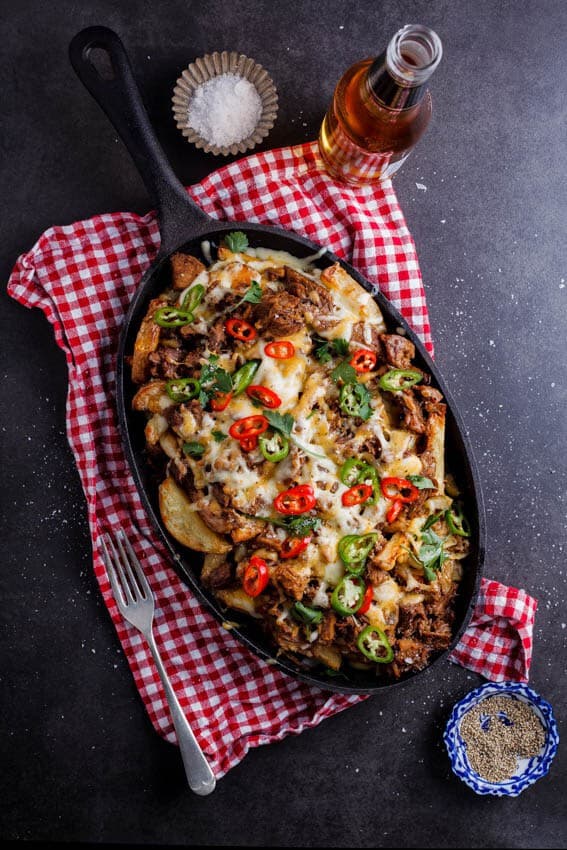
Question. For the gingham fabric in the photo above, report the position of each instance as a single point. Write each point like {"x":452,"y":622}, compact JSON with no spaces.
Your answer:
{"x":498,"y":642}
{"x":83,"y":276}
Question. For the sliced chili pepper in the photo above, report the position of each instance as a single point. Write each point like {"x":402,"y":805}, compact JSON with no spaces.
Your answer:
{"x":363,"y":360}
{"x":172,"y":317}
{"x":280,"y":349}
{"x":457,"y":523}
{"x":305,"y":614}
{"x":351,"y":471}
{"x":275,"y":447}
{"x":296,"y":500}
{"x":394,"y":511}
{"x":243,"y":376}
{"x":374,"y":644}
{"x":183,"y":389}
{"x":400,"y":379}
{"x":294,"y":546}
{"x":357,"y":471}
{"x":354,"y":549}
{"x":193,"y":298}
{"x":240,"y":329}
{"x":354,"y":400}
{"x":399,"y":490}
{"x":248,"y":444}
{"x":256,"y":576}
{"x":220,"y":401}
{"x":268,"y":398}
{"x":343,"y":598}
{"x":367,"y":601}
{"x":356,"y":495}
{"x":250,"y":426}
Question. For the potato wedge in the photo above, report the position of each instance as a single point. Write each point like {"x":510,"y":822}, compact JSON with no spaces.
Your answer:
{"x":152,"y":397}
{"x":184,"y":270}
{"x":239,"y":600}
{"x":146,"y":342}
{"x":184,"y":523}
{"x":360,"y":301}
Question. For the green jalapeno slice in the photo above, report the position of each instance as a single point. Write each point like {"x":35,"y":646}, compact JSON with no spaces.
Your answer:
{"x":348,"y":595}
{"x":354,"y":549}
{"x":375,"y":646}
{"x":193,"y":298}
{"x":400,"y":379}
{"x":275,"y":447}
{"x":183,"y":389}
{"x":172,"y":317}
{"x":243,"y":376}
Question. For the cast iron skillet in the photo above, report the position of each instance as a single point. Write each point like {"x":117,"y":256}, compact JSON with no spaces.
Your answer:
{"x":183,"y":226}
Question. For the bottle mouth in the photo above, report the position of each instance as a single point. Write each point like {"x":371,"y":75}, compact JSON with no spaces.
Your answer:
{"x":413,"y":54}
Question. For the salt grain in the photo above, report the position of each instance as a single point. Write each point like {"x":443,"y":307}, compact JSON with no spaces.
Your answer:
{"x":225,"y":109}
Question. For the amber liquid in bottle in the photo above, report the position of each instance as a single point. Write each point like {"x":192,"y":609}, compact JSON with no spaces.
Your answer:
{"x":380,"y":109}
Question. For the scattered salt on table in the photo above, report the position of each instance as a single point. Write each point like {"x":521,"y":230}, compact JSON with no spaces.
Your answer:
{"x":225,"y":109}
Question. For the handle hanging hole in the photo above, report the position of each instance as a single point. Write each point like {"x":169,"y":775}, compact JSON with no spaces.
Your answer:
{"x":99,"y":58}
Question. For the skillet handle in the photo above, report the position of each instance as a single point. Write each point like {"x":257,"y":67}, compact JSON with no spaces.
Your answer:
{"x":111,"y":82}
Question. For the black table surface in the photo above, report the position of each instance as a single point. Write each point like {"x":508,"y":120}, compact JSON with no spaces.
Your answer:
{"x":484,"y":197}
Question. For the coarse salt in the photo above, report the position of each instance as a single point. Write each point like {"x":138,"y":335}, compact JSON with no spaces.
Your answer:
{"x":225,"y":109}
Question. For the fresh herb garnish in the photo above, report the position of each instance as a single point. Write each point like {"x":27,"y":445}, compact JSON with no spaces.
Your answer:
{"x":344,"y":372}
{"x":218,"y":436}
{"x":254,"y":293}
{"x":194,"y":449}
{"x":431,"y":554}
{"x":298,"y":526}
{"x":325,"y":349}
{"x":421,"y":482}
{"x":214,"y":379}
{"x":236,"y":241}
{"x":431,"y":521}
{"x":284,"y":424}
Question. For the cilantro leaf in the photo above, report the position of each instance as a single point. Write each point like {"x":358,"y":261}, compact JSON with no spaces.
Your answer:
{"x":236,"y":241}
{"x":284,"y":424}
{"x":218,"y":436}
{"x":431,"y":554}
{"x":194,"y":449}
{"x":341,"y":346}
{"x":344,"y":372}
{"x":421,"y":482}
{"x":254,"y":294}
{"x":300,"y":525}
{"x":214,"y":379}
{"x":325,"y":349}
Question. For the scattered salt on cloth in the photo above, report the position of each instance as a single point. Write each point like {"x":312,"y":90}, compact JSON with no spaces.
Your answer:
{"x":225,"y":109}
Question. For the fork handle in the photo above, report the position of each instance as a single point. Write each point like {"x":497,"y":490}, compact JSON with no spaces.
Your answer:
{"x":199,"y":775}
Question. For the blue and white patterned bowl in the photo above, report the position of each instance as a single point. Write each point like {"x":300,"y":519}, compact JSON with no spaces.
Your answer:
{"x":529,"y":770}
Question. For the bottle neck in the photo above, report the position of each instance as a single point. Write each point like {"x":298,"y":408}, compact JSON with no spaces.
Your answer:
{"x":397,"y":78}
{"x":388,"y":90}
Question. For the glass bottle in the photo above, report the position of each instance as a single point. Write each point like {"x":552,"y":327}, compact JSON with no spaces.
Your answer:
{"x":380,"y":109}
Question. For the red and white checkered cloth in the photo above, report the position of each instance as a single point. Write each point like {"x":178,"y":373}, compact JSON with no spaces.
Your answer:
{"x":83,"y":276}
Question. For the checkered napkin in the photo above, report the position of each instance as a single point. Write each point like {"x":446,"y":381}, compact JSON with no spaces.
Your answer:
{"x":83,"y":276}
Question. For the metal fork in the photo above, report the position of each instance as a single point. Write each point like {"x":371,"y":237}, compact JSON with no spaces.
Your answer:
{"x":136,"y":603}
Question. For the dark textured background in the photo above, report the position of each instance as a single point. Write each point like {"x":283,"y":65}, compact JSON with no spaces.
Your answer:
{"x":79,"y":758}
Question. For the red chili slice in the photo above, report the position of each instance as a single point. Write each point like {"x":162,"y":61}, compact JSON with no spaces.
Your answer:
{"x":394,"y":511}
{"x":266,"y":397}
{"x":280,"y":349}
{"x":363,"y":360}
{"x":240,"y":329}
{"x":250,"y":426}
{"x":256,"y":576}
{"x":220,"y":401}
{"x":399,"y":490}
{"x":366,"y":600}
{"x":356,"y":495}
{"x":248,"y":444}
{"x":293,"y":546}
{"x":296,"y":500}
